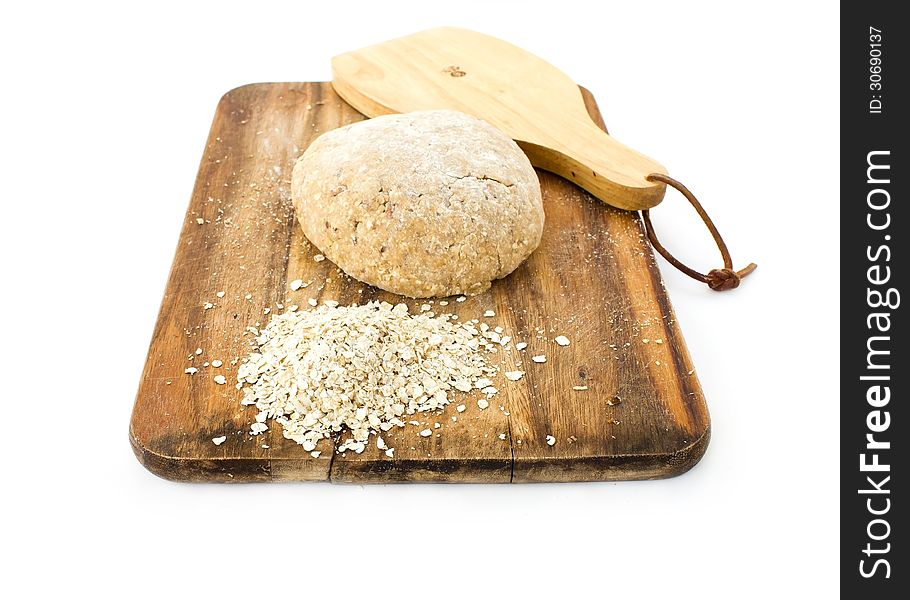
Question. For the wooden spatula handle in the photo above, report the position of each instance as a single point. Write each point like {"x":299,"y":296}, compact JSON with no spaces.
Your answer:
{"x":604,"y":167}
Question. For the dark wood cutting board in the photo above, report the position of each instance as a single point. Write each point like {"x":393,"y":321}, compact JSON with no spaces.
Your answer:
{"x":593,"y":279}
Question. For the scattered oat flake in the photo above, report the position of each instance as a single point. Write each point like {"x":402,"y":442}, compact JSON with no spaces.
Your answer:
{"x":217,"y":363}
{"x":248,"y":296}
{"x":200,"y":221}
{"x":562,"y":340}
{"x":658,"y":341}
{"x":460,"y":299}
{"x":319,"y":258}
{"x":207,"y":306}
{"x":657,"y":362}
{"x":579,"y":388}
{"x":220,"y":379}
{"x":482,"y":404}
{"x":514,"y":375}
{"x":357,"y":369}
{"x":312,"y":302}
{"x":540,"y":358}
{"x":390,"y":452}
{"x":521,"y":345}
{"x":219,"y":440}
{"x":198,"y":351}
{"x":190,"y":370}
{"x":296,"y":285}
{"x":551,"y":440}
{"x":502,"y":436}
{"x":220,"y":294}
{"x":462,"y":385}
{"x":460,"y":408}
{"x":315,"y":453}
{"x":425,"y":307}
{"x":645,"y":340}
{"x":489,"y":313}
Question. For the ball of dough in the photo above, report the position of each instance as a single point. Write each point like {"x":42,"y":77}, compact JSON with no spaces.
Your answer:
{"x":428,"y":203}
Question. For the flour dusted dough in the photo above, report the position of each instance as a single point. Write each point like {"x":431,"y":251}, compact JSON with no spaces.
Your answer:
{"x":429,"y":203}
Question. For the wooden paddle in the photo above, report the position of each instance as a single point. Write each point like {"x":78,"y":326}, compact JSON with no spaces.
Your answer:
{"x":535,"y":103}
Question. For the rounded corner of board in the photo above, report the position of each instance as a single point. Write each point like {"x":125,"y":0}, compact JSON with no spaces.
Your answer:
{"x":156,"y":463}
{"x":199,"y":470}
{"x":684,"y":459}
{"x":239,"y":90}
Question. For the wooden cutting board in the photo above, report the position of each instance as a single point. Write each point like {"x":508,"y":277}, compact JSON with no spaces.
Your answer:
{"x":593,"y":279}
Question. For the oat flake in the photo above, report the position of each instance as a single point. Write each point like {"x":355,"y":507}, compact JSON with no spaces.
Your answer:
{"x":357,"y":370}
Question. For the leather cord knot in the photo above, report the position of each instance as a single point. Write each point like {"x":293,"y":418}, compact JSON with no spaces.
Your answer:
{"x":722,"y":279}
{"x":726,"y":278}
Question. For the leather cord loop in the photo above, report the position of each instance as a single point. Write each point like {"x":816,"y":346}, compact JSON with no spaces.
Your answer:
{"x":718,"y":280}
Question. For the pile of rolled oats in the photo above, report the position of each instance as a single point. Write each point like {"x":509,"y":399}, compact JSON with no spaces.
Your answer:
{"x":352,"y":370}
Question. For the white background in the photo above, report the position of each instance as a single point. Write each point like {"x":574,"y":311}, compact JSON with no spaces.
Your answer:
{"x":105,"y":112}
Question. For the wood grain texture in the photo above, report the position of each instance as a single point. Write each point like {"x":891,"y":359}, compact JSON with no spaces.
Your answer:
{"x":535,"y":103}
{"x":593,"y":279}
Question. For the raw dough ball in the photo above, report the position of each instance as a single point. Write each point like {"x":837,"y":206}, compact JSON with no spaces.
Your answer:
{"x":429,"y":203}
